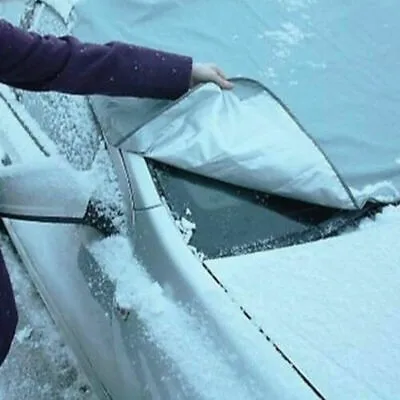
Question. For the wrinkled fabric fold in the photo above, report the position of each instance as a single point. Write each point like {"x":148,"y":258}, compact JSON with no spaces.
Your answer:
{"x":244,"y":138}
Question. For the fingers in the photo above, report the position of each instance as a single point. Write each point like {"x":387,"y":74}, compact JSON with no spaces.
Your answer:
{"x":223,"y":83}
{"x":220,"y":72}
{"x":220,"y":79}
{"x":209,"y":73}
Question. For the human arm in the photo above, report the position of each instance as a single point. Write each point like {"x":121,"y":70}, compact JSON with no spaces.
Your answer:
{"x":47,"y":63}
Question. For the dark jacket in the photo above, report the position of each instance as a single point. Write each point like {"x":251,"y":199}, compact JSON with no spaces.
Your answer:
{"x":47,"y":63}
{"x":64,"y":64}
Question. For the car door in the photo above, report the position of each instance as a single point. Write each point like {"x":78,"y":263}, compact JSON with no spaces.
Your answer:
{"x":52,"y":218}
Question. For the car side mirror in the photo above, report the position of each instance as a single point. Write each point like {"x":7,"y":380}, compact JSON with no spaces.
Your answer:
{"x":45,"y":190}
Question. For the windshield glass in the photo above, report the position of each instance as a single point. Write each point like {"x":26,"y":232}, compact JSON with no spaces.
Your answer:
{"x":231,"y":220}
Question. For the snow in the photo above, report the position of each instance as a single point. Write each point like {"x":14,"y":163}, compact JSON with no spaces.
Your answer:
{"x":109,"y":198}
{"x":288,"y":36}
{"x":40,"y":183}
{"x":186,"y":227}
{"x":68,"y":122}
{"x":169,"y":325}
{"x":39,"y":366}
{"x":385,"y":192}
{"x":331,"y":306}
{"x":10,"y":125}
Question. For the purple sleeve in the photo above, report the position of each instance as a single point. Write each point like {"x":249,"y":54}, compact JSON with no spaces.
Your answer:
{"x":64,"y":64}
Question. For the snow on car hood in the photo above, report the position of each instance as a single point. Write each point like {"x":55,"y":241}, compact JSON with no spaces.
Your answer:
{"x":331,"y":306}
{"x":325,"y":131}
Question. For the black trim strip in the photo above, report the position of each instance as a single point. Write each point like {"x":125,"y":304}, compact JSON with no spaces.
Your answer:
{"x":46,"y":218}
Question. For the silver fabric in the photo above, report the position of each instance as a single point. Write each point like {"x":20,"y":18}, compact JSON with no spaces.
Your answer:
{"x":337,"y":75}
{"x":250,"y":141}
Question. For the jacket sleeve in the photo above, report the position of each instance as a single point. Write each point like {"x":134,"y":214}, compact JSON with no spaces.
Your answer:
{"x":64,"y":64}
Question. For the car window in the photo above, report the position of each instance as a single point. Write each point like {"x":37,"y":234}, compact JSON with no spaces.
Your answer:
{"x":71,"y":125}
{"x":226,"y":220}
{"x":66,"y":119}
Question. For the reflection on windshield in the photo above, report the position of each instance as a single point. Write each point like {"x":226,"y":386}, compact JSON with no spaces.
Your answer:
{"x":232,"y":220}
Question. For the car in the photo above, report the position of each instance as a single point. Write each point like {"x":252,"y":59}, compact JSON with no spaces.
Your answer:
{"x":173,"y":279}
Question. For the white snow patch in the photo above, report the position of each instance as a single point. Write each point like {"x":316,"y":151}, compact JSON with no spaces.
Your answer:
{"x":285,"y":38}
{"x":24,"y":334}
{"x":384,"y":192}
{"x":199,"y":254}
{"x":331,"y":305}
{"x":68,"y":122}
{"x":169,"y":325}
{"x":42,"y":182}
{"x":186,"y":227}
{"x":111,"y":203}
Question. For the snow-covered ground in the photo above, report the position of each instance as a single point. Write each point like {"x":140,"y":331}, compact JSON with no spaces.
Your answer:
{"x":40,"y":366}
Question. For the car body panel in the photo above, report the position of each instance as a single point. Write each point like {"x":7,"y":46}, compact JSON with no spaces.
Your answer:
{"x":143,"y":190}
{"x":330,"y":305}
{"x":50,"y":253}
{"x":169,"y":262}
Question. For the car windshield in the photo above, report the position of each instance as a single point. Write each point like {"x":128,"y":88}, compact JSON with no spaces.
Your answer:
{"x":241,"y":220}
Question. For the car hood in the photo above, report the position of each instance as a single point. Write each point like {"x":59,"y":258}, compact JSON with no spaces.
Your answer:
{"x":321,"y":125}
{"x":330,"y":306}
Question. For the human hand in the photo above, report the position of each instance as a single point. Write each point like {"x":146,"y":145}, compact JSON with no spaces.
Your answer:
{"x":203,"y":73}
